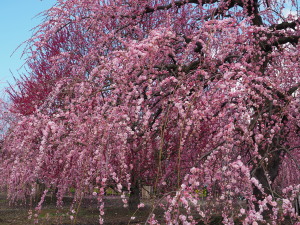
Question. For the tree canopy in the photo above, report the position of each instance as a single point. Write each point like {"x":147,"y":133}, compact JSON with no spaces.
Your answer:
{"x":180,"y":95}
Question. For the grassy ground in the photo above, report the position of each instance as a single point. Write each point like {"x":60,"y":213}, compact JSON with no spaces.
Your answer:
{"x":88,"y":213}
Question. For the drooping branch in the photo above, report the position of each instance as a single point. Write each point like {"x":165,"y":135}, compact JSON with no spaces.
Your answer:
{"x":293,"y":158}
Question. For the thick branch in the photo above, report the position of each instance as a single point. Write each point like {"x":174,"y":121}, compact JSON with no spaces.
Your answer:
{"x":174,"y":67}
{"x":293,"y":39}
{"x":285,"y":25}
{"x":252,"y":10}
{"x":290,"y":39}
{"x":165,"y":7}
{"x":279,"y":94}
{"x":293,"y":89}
{"x":178,"y":4}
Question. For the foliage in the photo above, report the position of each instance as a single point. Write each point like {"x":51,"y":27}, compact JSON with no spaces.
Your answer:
{"x":174,"y":94}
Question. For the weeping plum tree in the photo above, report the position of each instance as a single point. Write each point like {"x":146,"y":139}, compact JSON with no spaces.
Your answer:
{"x":180,"y":95}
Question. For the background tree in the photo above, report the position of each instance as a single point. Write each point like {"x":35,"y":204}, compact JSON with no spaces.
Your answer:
{"x":176,"y":94}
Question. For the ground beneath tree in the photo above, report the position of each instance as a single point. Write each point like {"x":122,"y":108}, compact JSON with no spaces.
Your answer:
{"x":88,"y":213}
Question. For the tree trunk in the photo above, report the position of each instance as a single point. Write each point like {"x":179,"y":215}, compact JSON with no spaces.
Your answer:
{"x":272,"y":168}
{"x":297,"y":204}
{"x":134,"y":198}
{"x":261,"y":177}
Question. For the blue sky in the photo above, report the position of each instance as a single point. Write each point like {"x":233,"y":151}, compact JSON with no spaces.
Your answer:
{"x":17,"y":18}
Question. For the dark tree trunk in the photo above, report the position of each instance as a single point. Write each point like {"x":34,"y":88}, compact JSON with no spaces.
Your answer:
{"x":272,"y":169}
{"x":134,"y":198}
{"x":297,"y":204}
{"x":260,"y":175}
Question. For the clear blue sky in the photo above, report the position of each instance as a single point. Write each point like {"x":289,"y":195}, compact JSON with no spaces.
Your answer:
{"x":17,"y":18}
